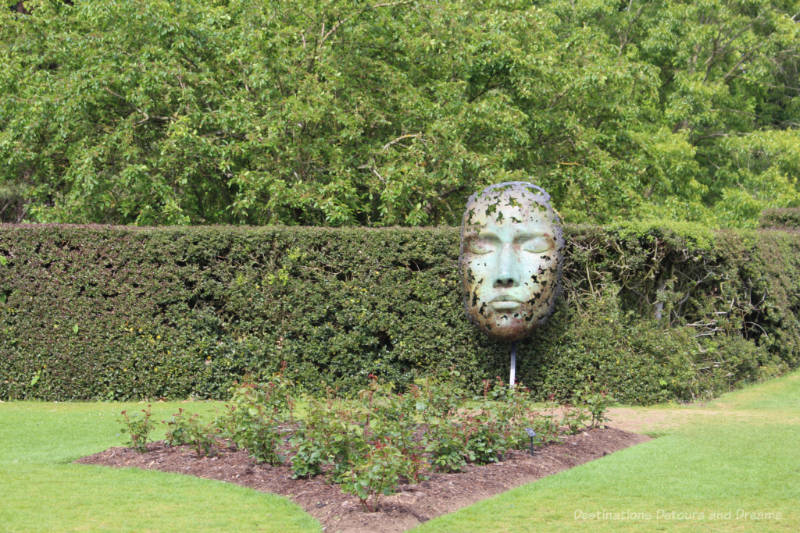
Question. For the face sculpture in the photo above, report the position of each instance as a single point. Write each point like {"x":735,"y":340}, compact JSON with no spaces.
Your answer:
{"x":511,"y":257}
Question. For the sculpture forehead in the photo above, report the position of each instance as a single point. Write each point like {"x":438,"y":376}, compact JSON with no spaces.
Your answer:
{"x":509,"y":204}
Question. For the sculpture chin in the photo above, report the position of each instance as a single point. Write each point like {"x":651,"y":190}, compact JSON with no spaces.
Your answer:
{"x":510,"y":331}
{"x":511,"y":320}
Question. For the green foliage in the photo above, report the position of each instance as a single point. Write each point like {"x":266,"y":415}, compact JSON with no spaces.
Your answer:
{"x":371,"y":445}
{"x":255,"y":412}
{"x":484,"y":444}
{"x":575,"y":420}
{"x":138,"y":427}
{"x":179,"y":428}
{"x":547,"y":428}
{"x":183,"y":428}
{"x":377,"y":473}
{"x":330,"y":435}
{"x":445,"y":443}
{"x":308,"y":457}
{"x":497,"y":423}
{"x":343,"y":113}
{"x":494,"y":423}
{"x":596,"y":403}
{"x":393,"y":418}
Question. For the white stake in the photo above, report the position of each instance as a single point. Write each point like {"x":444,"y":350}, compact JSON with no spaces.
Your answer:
{"x":513,"y":375}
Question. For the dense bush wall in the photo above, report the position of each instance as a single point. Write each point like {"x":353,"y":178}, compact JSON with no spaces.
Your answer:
{"x":780,"y":218}
{"x":647,"y":313}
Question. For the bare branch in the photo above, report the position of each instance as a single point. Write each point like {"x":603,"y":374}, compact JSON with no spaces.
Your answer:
{"x":623,"y":38}
{"x":375,"y":171}
{"x":745,"y":57}
{"x":244,"y":78}
{"x":140,"y":111}
{"x":397,"y":140}
{"x":759,"y":327}
{"x":712,"y":136}
{"x":392,"y":4}
{"x":371,"y":168}
{"x":325,"y":35}
{"x":721,"y":51}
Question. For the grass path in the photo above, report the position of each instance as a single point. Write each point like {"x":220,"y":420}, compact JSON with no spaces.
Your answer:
{"x":728,"y":465}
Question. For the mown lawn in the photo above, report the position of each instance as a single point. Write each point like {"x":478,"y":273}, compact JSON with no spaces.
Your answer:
{"x":41,"y":491}
{"x":729,"y":465}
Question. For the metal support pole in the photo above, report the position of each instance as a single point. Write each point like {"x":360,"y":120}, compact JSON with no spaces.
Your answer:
{"x":512,"y":377}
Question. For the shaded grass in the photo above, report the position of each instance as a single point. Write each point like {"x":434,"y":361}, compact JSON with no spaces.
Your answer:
{"x":42,"y":491}
{"x":717,"y":467}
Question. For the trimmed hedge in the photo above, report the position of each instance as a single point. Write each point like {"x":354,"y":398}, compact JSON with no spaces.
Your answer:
{"x":93,"y":312}
{"x":780,"y":218}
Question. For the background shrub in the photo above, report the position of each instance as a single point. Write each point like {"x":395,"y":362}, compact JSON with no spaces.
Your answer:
{"x":346,"y":112}
{"x":648,"y":313}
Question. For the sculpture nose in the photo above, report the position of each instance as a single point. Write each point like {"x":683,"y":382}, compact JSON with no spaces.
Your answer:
{"x":507,"y":272}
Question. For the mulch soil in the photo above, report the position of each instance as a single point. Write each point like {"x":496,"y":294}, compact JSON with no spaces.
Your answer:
{"x":411,"y":505}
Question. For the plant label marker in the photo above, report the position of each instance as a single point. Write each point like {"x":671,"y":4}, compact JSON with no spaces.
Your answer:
{"x":531,"y":433}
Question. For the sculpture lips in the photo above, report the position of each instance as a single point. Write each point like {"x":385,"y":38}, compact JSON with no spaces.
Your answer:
{"x":504,"y":302}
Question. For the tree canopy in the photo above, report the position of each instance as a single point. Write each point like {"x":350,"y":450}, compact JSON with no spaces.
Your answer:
{"x":382,"y":112}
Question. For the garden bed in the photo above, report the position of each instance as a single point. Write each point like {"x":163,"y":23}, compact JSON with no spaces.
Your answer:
{"x":410,"y":505}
